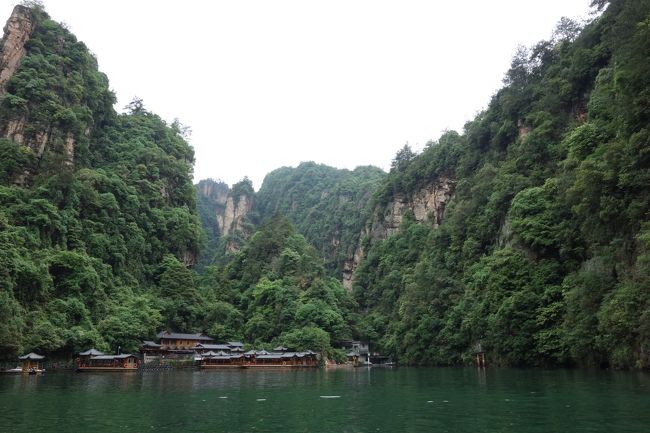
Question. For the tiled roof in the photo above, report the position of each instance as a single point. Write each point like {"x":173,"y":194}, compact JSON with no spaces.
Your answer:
{"x":212,"y":346}
{"x":148,"y":343}
{"x":32,"y":356}
{"x":91,"y":352}
{"x":122,"y":356}
{"x":180,"y":336}
{"x":235,"y":344}
{"x":270,"y":356}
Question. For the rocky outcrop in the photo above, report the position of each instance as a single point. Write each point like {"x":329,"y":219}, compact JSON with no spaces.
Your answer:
{"x":349,"y":266}
{"x":428,"y":204}
{"x":224,"y":213}
{"x":15,"y":130}
{"x":428,"y":207}
{"x":233,"y":215}
{"x":68,"y":149}
{"x":523,"y":129}
{"x":17,"y":32}
{"x":216,"y":192}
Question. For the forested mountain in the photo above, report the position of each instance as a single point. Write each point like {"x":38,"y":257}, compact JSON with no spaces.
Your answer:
{"x":542,"y":253}
{"x":276,"y":290}
{"x":96,"y":208}
{"x":328,"y":206}
{"x":528,"y":233}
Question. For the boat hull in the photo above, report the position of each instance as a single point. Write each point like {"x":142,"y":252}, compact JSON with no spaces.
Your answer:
{"x":259,"y":366}
{"x":279,"y":366}
{"x":107,"y":369}
{"x":221,"y":367}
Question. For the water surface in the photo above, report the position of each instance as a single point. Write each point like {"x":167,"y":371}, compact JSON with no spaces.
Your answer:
{"x":355,"y":400}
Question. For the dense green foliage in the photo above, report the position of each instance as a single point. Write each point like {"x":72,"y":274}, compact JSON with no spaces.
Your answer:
{"x":85,"y":248}
{"x":276,"y":290}
{"x":327,"y":205}
{"x":542,"y":256}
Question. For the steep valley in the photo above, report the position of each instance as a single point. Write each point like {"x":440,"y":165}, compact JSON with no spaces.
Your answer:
{"x":527,"y":234}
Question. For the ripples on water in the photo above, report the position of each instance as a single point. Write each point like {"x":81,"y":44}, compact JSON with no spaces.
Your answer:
{"x":355,"y":400}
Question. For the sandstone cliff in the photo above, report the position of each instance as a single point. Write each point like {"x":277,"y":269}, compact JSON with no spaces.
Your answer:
{"x":226,"y":217}
{"x":428,"y":207}
{"x":236,"y":209}
{"x":426,"y":204}
{"x":216,"y":192}
{"x":17,"y":32}
{"x":50,"y":99}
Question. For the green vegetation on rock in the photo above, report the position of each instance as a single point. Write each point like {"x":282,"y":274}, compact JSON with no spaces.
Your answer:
{"x":540,"y":252}
{"x":542,"y":256}
{"x":328,"y":206}
{"x":85,"y":246}
{"x":275,"y":290}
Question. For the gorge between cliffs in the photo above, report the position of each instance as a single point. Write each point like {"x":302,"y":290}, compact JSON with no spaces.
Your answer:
{"x":524,"y":237}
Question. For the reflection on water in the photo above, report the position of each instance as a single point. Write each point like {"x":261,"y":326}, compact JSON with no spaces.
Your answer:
{"x":367,"y":400}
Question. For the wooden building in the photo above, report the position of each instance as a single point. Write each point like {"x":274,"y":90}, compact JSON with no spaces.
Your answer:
{"x":353,"y":358}
{"x":90,"y":352}
{"x":179,"y":341}
{"x":201,"y":348}
{"x":32,"y":363}
{"x":360,"y":348}
{"x":151,"y":348}
{"x":124,"y":362}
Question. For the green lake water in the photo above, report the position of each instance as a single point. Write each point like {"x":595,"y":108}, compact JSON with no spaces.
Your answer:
{"x":355,"y":400}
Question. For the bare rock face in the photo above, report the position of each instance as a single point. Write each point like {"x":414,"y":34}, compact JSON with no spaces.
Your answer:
{"x":428,"y":206}
{"x":15,"y":130}
{"x":523,"y":129}
{"x":40,"y":141}
{"x":17,"y":32}
{"x":350,"y":266}
{"x":189,"y":259}
{"x":68,"y":149}
{"x":216,"y":191}
{"x":234,"y":213}
{"x":43,"y":138}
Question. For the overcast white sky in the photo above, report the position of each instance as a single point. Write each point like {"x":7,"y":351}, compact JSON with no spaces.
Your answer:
{"x":265,"y":84}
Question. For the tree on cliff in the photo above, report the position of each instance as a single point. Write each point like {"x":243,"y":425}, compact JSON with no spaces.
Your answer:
{"x":402,"y":158}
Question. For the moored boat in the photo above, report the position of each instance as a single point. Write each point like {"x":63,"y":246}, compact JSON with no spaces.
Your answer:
{"x":212,"y":360}
{"x":259,"y":359}
{"x":125,"y":362}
